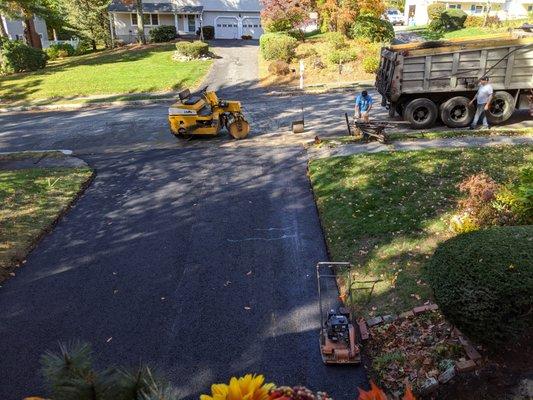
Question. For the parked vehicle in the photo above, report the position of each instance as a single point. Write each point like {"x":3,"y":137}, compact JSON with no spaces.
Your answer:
{"x":394,"y":16}
{"x":430,"y":80}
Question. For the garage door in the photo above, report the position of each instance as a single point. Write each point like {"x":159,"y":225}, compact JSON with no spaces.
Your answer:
{"x":227,"y":28}
{"x":252,"y":27}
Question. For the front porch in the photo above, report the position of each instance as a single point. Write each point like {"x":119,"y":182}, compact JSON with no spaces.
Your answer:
{"x":124,"y":24}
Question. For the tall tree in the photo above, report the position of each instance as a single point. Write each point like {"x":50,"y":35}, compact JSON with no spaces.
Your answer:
{"x":339,"y":15}
{"x":91,"y":19}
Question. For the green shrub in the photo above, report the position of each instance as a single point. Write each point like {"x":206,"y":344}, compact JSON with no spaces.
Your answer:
{"x":371,"y":64}
{"x":16,"y":56}
{"x":163,"y":33}
{"x":208,"y":31}
{"x":516,"y":198}
{"x":435,"y":10}
{"x":342,"y":56}
{"x":483,"y":282}
{"x":194,"y":49}
{"x":449,"y":20}
{"x":372,"y":28}
{"x":60,"y":50}
{"x":473,"y":21}
{"x":277,"y":46}
{"x":336,"y":39}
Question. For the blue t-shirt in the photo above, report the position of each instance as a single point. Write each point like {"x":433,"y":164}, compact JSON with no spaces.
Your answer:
{"x":363,"y":102}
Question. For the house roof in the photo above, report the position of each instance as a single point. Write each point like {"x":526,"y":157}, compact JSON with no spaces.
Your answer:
{"x":119,"y":6}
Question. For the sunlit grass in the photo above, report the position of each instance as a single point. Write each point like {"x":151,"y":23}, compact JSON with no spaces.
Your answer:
{"x":31,"y":199}
{"x":387,"y":212}
{"x":121,"y":71}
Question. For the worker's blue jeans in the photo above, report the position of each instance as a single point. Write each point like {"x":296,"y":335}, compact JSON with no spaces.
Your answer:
{"x":480,"y":110}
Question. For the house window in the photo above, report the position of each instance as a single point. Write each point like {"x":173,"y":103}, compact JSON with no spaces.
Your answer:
{"x":476,"y":9}
{"x":148,"y":19}
{"x":530,"y":8}
{"x":455,"y":6}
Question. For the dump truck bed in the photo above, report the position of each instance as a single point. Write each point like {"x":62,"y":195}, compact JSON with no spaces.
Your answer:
{"x":455,"y":66}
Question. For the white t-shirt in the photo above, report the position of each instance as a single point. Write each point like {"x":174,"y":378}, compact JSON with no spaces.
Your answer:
{"x":483,"y":93}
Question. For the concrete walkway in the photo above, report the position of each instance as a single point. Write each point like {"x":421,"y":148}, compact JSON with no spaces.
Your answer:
{"x":422,"y":144}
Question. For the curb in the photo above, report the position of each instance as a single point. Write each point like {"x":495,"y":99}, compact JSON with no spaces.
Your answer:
{"x":78,"y":106}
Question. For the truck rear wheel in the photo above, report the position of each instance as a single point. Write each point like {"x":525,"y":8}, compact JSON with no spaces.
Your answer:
{"x":456,"y":112}
{"x":501,"y":107}
{"x":421,"y":113}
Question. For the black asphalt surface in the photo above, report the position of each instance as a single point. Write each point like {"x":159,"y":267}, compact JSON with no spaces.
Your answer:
{"x":194,"y":258}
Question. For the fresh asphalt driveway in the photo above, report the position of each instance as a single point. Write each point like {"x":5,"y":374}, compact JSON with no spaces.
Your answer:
{"x":193,"y":257}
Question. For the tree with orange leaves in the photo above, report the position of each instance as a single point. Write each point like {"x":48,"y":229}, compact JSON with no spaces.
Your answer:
{"x":376,"y":393}
{"x":339,"y":15}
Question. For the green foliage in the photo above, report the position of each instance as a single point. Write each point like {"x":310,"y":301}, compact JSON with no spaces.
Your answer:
{"x":473,"y":21}
{"x":372,"y":28}
{"x":277,"y":46}
{"x":60,"y":50}
{"x":517,"y":198}
{"x":371,"y":64}
{"x":194,"y":49}
{"x":449,"y":20}
{"x":208,"y":31}
{"x":336,"y":40}
{"x":15,"y":56}
{"x":163,"y":33}
{"x":90,"y":19}
{"x":483,"y":282}
{"x":435,"y":10}
{"x":70,"y":374}
{"x":342,"y":56}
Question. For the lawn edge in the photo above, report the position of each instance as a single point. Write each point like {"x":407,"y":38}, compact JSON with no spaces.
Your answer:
{"x":18,"y":262}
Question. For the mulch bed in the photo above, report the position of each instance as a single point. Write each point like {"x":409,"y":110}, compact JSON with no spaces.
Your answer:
{"x":414,"y":351}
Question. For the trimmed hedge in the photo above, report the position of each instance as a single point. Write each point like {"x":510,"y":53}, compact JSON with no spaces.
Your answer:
{"x":15,"y":56}
{"x":372,"y":28}
{"x":163,"y":33}
{"x":483,"y":282}
{"x":277,"y":46}
{"x":208,"y":31}
{"x":449,"y":20}
{"x":194,"y":49}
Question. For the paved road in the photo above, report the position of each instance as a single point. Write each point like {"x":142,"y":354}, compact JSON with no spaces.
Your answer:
{"x":196,"y":258}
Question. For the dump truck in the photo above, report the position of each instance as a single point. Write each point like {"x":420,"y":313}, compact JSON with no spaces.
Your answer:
{"x":426,"y":81}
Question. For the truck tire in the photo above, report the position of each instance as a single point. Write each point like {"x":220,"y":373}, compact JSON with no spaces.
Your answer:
{"x":501,"y":107}
{"x":421,"y":113}
{"x":456,"y":112}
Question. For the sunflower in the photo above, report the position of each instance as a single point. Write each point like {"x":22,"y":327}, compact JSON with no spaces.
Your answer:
{"x":248,"y":387}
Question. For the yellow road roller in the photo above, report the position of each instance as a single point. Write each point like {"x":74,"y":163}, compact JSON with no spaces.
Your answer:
{"x":204,"y":114}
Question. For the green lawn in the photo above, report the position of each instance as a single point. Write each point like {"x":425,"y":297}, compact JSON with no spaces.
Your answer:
{"x":386,"y":212}
{"x":461,"y":33}
{"x":105,"y":73}
{"x":31,"y":200}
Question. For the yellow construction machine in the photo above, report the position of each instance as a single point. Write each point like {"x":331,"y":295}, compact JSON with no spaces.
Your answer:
{"x":203,"y":114}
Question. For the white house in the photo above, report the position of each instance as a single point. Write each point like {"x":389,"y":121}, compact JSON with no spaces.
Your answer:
{"x":15,"y":29}
{"x":231,"y":18}
{"x":416,"y":10}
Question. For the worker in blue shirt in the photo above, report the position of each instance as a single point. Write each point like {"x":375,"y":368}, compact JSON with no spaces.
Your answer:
{"x":363,"y":105}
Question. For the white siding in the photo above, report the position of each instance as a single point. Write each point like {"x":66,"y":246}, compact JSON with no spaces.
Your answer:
{"x":15,"y":29}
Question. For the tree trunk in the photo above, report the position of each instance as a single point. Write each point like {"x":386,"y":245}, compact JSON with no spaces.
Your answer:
{"x":30,"y":34}
{"x":140,"y":22}
{"x":3,"y":31}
